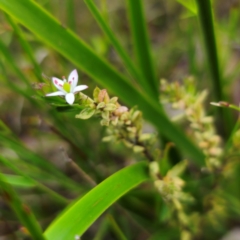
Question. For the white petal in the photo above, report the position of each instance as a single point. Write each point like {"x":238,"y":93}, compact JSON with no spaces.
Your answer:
{"x":79,"y":88}
{"x":58,"y":84}
{"x":73,"y":79}
{"x":70,"y":98}
{"x":58,"y":93}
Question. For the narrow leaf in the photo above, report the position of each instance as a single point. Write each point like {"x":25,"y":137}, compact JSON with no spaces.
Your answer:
{"x":114,"y":41}
{"x":141,"y":44}
{"x":22,"y":211}
{"x":88,"y":208}
{"x":206,"y":19}
{"x":18,"y":181}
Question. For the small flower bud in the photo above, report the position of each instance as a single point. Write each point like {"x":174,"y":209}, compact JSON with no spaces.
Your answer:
{"x":110,"y":107}
{"x":103,"y":96}
{"x":119,"y":111}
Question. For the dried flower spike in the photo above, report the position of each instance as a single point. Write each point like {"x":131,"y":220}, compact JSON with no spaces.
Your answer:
{"x":67,"y":88}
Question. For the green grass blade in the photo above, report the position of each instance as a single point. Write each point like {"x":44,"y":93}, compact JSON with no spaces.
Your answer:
{"x":88,"y":208}
{"x":71,"y":21}
{"x":8,"y":57}
{"x":54,"y":195}
{"x":26,"y":47}
{"x":141,"y":44}
{"x":34,"y":159}
{"x":206,"y":20}
{"x":116,"y":229}
{"x":114,"y":41}
{"x":11,"y":62}
{"x":190,"y":5}
{"x":65,"y":42}
{"x":18,"y":181}
{"x":22,"y":211}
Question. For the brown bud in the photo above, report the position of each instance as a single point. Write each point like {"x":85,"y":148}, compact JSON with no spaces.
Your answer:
{"x":103,"y":96}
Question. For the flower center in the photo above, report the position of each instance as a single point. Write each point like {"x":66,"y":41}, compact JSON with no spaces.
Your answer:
{"x":67,"y":87}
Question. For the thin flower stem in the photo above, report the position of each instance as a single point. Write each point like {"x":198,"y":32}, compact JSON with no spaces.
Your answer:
{"x":74,"y":166}
{"x":83,"y":174}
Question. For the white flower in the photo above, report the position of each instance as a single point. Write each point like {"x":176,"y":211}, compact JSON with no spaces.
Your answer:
{"x":67,"y":88}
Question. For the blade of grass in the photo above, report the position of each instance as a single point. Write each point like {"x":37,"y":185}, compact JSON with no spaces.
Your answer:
{"x":116,"y":229}
{"x":11,"y":62}
{"x":8,"y":57}
{"x":53,"y":194}
{"x":114,"y":41}
{"x":66,"y":43}
{"x":36,"y":160}
{"x":206,"y":20}
{"x":71,"y":21}
{"x":10,"y":84}
{"x":21,"y":210}
{"x":26,"y":47}
{"x":190,"y":5}
{"x":18,"y":181}
{"x":102,"y":229}
{"x":96,"y":201}
{"x":141,"y":44}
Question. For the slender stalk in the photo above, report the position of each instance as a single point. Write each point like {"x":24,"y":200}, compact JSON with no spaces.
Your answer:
{"x":118,"y":232}
{"x":102,"y":229}
{"x":74,"y":166}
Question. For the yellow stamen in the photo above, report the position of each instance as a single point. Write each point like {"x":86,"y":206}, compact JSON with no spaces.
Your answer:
{"x":67,"y":87}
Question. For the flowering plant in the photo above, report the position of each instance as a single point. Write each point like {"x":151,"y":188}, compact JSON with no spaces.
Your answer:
{"x":67,"y":88}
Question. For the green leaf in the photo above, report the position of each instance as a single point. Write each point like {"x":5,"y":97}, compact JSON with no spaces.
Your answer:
{"x":206,"y":20}
{"x":86,"y":113}
{"x":26,"y":91}
{"x":190,"y":5}
{"x":22,"y":211}
{"x":26,"y":47}
{"x":96,"y":93}
{"x":121,"y":52}
{"x":141,"y":45}
{"x":88,"y":208}
{"x":18,"y":181}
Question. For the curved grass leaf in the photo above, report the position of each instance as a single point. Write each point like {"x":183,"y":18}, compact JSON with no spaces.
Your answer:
{"x":69,"y":45}
{"x":88,"y":208}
